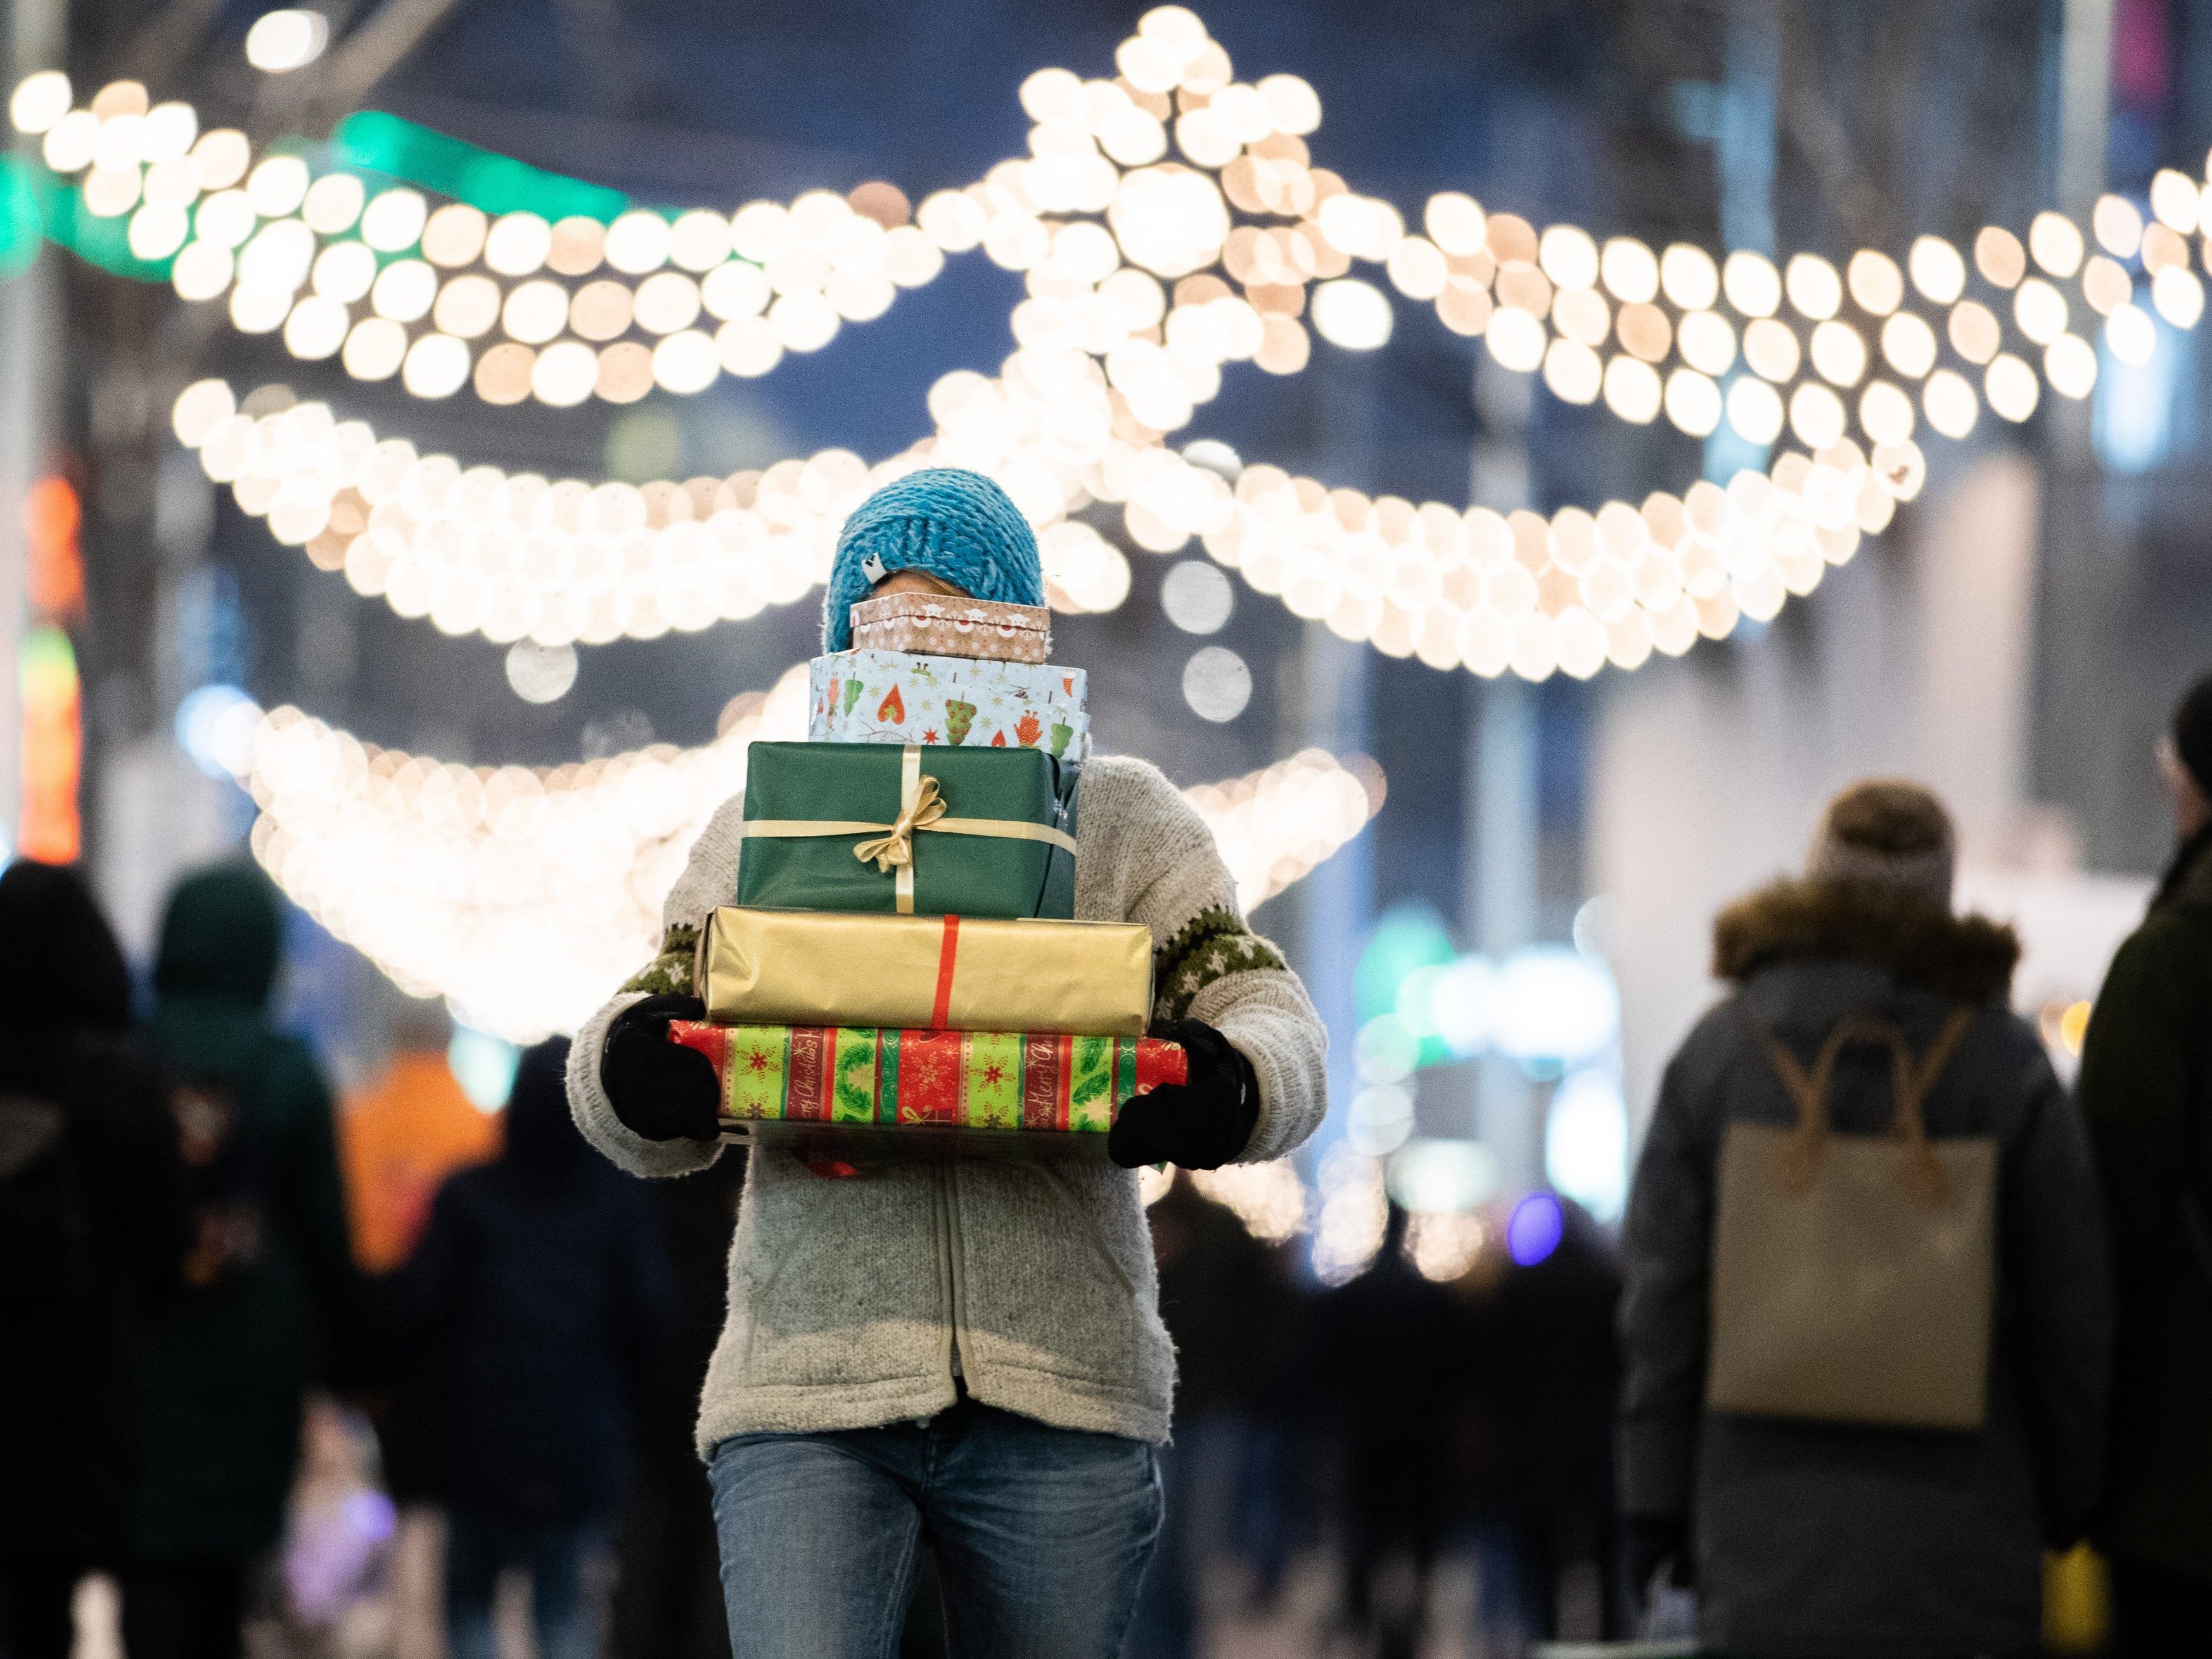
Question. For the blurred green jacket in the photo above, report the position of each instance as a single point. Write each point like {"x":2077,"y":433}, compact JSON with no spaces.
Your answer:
{"x":269,"y":1296}
{"x":2145,"y":1088}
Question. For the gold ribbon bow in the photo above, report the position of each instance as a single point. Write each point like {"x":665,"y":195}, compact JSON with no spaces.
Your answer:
{"x":923,"y":805}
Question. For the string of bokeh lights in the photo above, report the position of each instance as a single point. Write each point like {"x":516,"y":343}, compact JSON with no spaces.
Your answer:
{"x":490,"y":887}
{"x":1145,"y":276}
{"x":513,"y":556}
{"x":450,"y":296}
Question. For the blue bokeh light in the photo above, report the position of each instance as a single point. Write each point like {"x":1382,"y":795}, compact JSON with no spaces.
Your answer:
{"x":200,"y":727}
{"x":483,"y":1066}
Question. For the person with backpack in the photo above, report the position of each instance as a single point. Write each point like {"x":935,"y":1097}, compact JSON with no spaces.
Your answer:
{"x":1866,"y":1319}
{"x":2146,"y":1090}
{"x":538,"y":1304}
{"x":270,"y":1299}
{"x":91,"y":1229}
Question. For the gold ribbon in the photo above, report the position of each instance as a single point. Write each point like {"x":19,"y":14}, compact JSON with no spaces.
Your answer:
{"x":921,"y":807}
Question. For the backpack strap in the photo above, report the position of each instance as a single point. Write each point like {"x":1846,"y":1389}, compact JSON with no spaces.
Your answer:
{"x":1912,"y":1078}
{"x":1808,"y":1089}
{"x":1915,"y":1079}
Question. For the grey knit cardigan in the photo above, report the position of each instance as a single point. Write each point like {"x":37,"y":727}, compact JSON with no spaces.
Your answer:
{"x":856,"y":1302}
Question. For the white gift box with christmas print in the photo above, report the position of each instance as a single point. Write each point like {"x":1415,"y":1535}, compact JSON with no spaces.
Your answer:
{"x":896,"y":697}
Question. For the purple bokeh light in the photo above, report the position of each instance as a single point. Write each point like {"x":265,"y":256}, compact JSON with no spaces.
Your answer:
{"x":1534,"y":1230}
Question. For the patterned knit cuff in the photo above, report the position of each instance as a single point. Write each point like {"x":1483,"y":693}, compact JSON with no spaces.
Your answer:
{"x":670,"y":973}
{"x":1212,"y":945}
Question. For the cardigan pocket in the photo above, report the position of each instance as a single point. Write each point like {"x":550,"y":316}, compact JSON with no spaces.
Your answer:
{"x":1073,"y":1305}
{"x":832,"y":1275}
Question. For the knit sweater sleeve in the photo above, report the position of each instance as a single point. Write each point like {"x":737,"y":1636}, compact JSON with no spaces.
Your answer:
{"x":709,"y":879}
{"x":1147,"y":856}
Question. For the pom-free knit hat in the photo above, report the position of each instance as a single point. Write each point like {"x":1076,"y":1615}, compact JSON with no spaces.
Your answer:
{"x":60,"y":967}
{"x":222,"y":937}
{"x":1887,"y":832}
{"x":2192,"y":732}
{"x":954,"y":524}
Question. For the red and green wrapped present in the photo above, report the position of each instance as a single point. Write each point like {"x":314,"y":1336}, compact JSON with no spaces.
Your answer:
{"x":860,"y":1078}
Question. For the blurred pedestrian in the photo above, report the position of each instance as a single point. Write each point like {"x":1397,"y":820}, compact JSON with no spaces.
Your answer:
{"x":668,"y":1581}
{"x":400,"y":1137}
{"x":1821,"y":1537}
{"x":1228,"y":1308}
{"x":1388,"y":1365}
{"x":1551,"y":1352}
{"x":2145,"y":1067}
{"x":269,"y":1302}
{"x":91,"y":1229}
{"x":537,"y":1300}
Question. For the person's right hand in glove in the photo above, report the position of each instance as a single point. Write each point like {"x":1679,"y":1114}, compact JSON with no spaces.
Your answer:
{"x":660,"y":1090}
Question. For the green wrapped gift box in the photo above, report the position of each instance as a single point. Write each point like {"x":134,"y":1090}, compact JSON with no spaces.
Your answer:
{"x":920,"y":831}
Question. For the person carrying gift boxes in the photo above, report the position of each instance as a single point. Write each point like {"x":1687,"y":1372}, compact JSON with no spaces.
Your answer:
{"x":968,"y":1350}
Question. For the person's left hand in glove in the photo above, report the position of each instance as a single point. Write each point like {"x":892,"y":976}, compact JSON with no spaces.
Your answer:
{"x":1200,"y":1124}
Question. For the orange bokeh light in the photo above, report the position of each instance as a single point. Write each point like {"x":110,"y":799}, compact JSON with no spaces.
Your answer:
{"x":54,"y":570}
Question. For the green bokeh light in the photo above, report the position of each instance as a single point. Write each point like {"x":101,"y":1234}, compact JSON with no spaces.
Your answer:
{"x":376,"y":141}
{"x":21,"y":226}
{"x":36,"y":202}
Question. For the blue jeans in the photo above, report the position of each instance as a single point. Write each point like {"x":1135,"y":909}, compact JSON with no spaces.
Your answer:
{"x":1040,"y":1534}
{"x":477,"y":1551}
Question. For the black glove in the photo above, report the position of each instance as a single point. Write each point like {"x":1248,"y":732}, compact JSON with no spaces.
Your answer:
{"x":1655,"y":1541}
{"x":1200,"y":1124}
{"x":660,"y":1090}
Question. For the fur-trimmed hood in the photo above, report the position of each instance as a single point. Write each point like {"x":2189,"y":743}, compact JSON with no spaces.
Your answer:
{"x":1967,"y":958}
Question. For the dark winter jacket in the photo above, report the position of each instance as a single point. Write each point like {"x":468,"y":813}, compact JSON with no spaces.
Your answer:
{"x":2147,"y":1092}
{"x":537,"y":1303}
{"x":1816,"y":1540}
{"x":693,"y":1216}
{"x":1387,"y":1364}
{"x":1224,"y":1302}
{"x":270,"y":1298}
{"x":1552,"y":1363}
{"x":92,"y":1219}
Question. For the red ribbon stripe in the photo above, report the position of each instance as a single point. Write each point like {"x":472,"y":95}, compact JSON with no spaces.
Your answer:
{"x":947,"y":953}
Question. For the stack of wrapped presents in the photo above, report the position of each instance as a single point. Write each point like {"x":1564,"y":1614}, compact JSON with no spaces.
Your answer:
{"x":902,"y":952}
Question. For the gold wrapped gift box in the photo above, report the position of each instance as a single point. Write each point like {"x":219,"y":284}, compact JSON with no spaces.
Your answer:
{"x":925,"y":973}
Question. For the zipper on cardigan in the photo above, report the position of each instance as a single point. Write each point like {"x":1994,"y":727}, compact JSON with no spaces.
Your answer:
{"x":940,"y":1223}
{"x":952,"y":1255}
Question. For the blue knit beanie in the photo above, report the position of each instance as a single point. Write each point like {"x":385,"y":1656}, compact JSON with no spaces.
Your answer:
{"x":955,"y":525}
